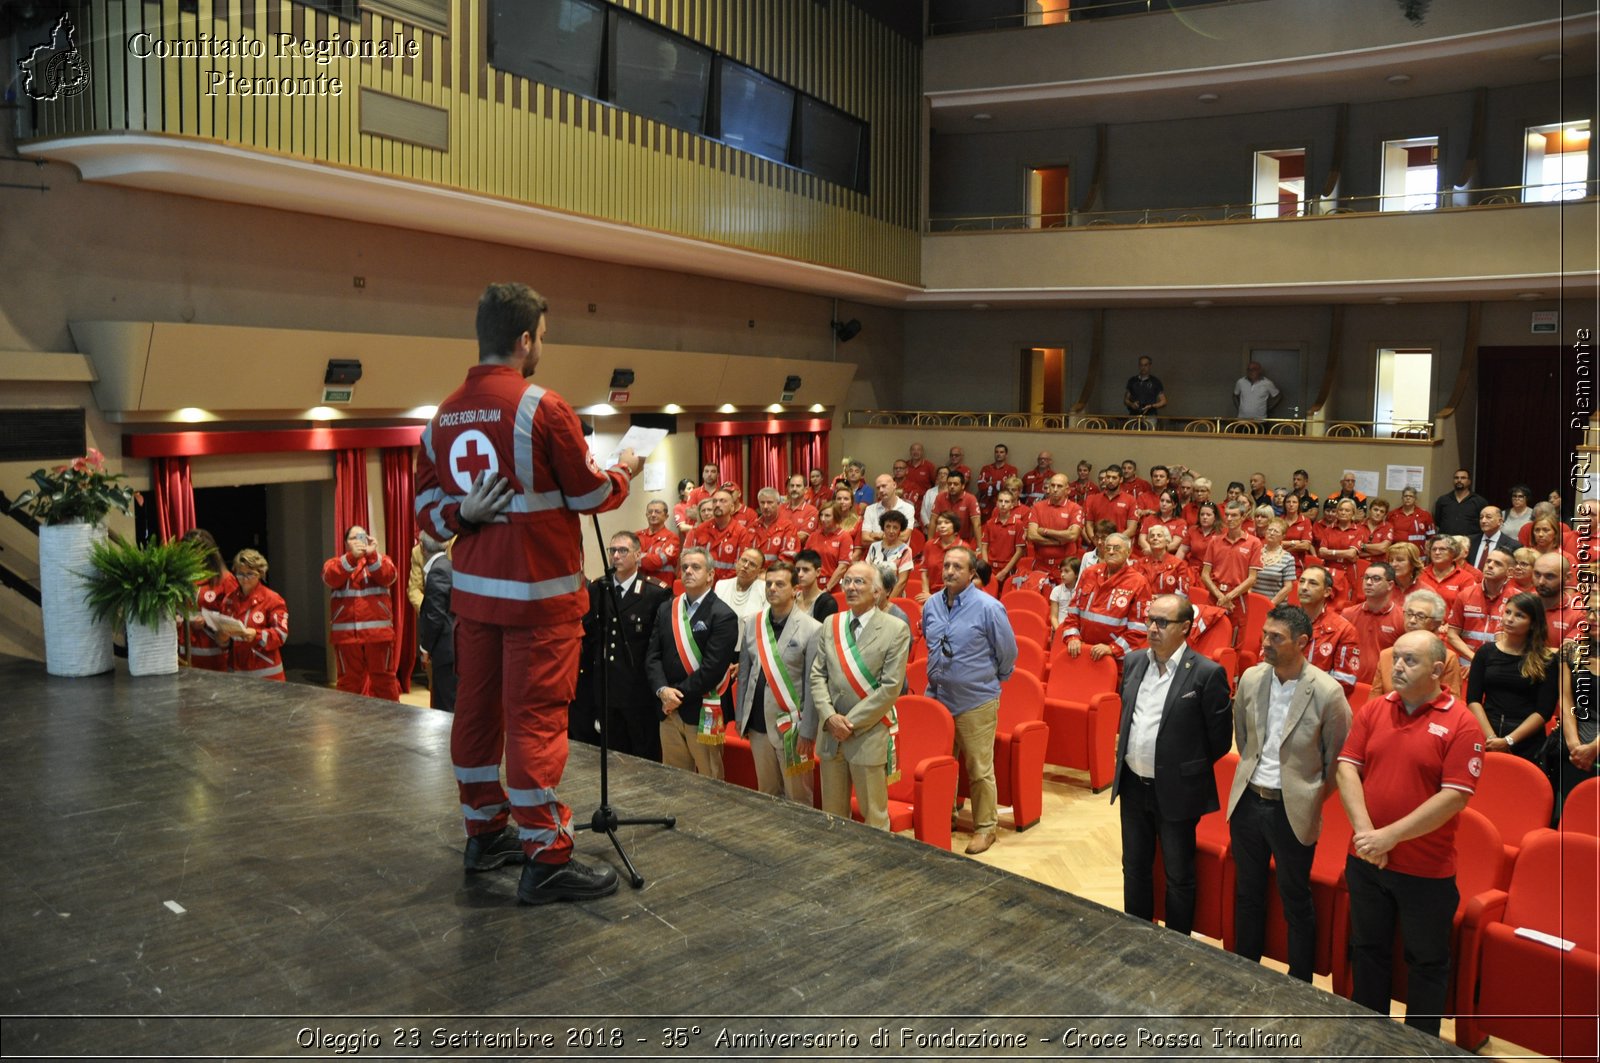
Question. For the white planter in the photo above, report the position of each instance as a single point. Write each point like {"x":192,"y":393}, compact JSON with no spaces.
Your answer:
{"x":152,"y":650}
{"x":75,"y":644}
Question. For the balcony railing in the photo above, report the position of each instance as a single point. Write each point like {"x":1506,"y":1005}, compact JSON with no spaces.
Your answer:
{"x":1080,"y":11}
{"x":1314,"y":427}
{"x":1507,"y":195}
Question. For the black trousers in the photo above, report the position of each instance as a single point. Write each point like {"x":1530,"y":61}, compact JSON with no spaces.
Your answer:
{"x":1425,"y":909}
{"x":442,"y":684}
{"x":634,"y":729}
{"x":1143,"y":829}
{"x":1261,"y":832}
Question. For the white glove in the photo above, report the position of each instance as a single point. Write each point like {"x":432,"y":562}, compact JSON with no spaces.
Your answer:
{"x":486,"y":502}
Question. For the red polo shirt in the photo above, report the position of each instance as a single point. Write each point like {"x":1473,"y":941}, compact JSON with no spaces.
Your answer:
{"x":1404,"y":759}
{"x":1232,"y":559}
{"x":1064,"y":517}
{"x":964,"y":510}
{"x":1002,"y":540}
{"x":1375,"y":632}
{"x":1117,"y":508}
{"x":1412,"y":527}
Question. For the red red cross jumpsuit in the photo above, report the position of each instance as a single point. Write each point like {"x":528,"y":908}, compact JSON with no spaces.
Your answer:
{"x":265,"y":611}
{"x":519,"y":594}
{"x":363,"y":623}
{"x":196,"y":647}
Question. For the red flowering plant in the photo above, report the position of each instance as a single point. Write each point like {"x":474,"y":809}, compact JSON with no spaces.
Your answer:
{"x":83,"y":490}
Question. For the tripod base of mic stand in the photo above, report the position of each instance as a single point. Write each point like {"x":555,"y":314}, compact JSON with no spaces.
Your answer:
{"x":605,"y":821}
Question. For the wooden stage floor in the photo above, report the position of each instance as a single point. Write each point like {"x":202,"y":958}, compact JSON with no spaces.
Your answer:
{"x":215,"y":867}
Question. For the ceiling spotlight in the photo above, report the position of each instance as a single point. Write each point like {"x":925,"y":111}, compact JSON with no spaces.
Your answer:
{"x":1398,"y":79}
{"x":1551,"y":57}
{"x":672,"y":407}
{"x":192,"y":414}
{"x":980,"y":306}
{"x":817,"y":407}
{"x":982,"y":116}
{"x":600,"y":409}
{"x":776,"y":407}
{"x":727,"y":407}
{"x":1389,"y":300}
{"x":322,"y":413}
{"x":1203,"y":302}
{"x":422,"y":413}
{"x":847,"y":330}
{"x":1529,"y":297}
{"x":1208,"y":97}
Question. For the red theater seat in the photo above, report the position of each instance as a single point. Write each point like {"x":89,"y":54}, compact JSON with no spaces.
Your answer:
{"x":1082,"y":711}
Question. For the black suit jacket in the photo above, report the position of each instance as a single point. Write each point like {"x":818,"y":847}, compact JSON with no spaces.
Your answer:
{"x":1196,"y":731}
{"x":1503,"y":541}
{"x":633,"y":620}
{"x":436,"y":624}
{"x":716,"y":629}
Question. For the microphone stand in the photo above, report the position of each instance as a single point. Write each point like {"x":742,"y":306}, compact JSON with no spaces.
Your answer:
{"x":605,"y":821}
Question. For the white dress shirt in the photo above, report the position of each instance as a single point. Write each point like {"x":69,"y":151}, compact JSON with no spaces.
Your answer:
{"x":1148,"y":705}
{"x":1268,"y":772}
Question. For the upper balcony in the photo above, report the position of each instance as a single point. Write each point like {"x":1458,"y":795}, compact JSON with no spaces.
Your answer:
{"x":1245,"y":54}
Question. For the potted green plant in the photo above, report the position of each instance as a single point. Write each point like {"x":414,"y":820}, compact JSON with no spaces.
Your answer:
{"x":149,"y":588}
{"x":70,"y":502}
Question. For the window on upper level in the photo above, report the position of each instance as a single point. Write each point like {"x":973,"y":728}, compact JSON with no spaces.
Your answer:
{"x":1411,"y":174}
{"x":660,"y":74}
{"x":1280,"y":190}
{"x":1403,"y":392}
{"x":558,"y":42}
{"x":1556,"y":162}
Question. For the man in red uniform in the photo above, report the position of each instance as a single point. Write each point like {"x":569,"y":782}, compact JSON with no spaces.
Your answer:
{"x":1335,"y":647}
{"x":802,"y":514}
{"x":1378,"y":620}
{"x":958,"y":463}
{"x":1411,"y":525}
{"x":659,"y":544}
{"x":898,"y":473}
{"x":957,"y":501}
{"x":710,"y":480}
{"x":1111,"y":503}
{"x":265,"y":618}
{"x":1055,"y":531}
{"x":362,"y":616}
{"x":1232,"y":562}
{"x":723,"y":537}
{"x":1037,"y":478}
{"x":992,"y":477}
{"x":1475,"y":616}
{"x":1107,"y":613}
{"x":1563,"y":606}
{"x":742,"y":514}
{"x":1004,"y":540}
{"x":919,"y":472}
{"x":504,"y":468}
{"x":773,"y":533}
{"x":1409,"y":766}
{"x":1132,"y":482}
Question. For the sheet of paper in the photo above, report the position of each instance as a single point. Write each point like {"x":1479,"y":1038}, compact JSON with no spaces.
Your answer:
{"x":642,"y":440}
{"x":1400,"y":477}
{"x":655,"y":476}
{"x":222,"y":622}
{"x":1366,"y":481}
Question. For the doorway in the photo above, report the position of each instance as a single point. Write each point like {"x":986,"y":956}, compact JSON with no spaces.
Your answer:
{"x":1523,"y":434}
{"x":1048,"y":189}
{"x":1044,"y":380}
{"x":1285,"y":367}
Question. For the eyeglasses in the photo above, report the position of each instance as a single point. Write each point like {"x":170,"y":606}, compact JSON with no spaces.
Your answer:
{"x":1161,"y":623}
{"x":944,"y":647}
{"x":1412,"y":614}
{"x":618,"y":549}
{"x":852,"y":581}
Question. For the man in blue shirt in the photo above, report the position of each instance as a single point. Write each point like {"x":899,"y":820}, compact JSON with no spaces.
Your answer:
{"x":971,"y":651}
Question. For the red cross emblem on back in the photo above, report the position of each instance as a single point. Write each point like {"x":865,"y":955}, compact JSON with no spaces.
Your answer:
{"x":472,"y":455}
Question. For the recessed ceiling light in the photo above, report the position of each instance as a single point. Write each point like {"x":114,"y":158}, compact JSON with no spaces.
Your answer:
{"x":1529,"y":296}
{"x":322,"y":413}
{"x":599,"y":409}
{"x":980,"y":306}
{"x":422,"y":413}
{"x":672,"y":407}
{"x":1203,"y":302}
{"x":817,"y":407}
{"x":776,"y":407}
{"x":1551,"y":57}
{"x":1389,"y":300}
{"x":982,"y":116}
{"x":1208,"y":97}
{"x":1398,"y":79}
{"x":727,"y":407}
{"x":192,"y":414}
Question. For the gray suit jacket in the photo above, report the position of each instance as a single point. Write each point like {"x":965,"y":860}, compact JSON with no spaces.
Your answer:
{"x":1313,"y":734}
{"x":797,"y":648}
{"x":885,"y":645}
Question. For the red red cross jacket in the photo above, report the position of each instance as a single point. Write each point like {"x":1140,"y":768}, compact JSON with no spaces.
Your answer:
{"x":361,"y":607}
{"x":264,"y":610}
{"x":1109,"y":607}
{"x":529,"y":569}
{"x":196,"y":647}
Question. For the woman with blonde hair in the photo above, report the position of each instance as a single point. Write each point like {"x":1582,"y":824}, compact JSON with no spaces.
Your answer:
{"x":1406,"y":560}
{"x":263,"y":617}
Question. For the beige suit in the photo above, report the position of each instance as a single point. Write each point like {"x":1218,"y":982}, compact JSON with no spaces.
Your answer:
{"x":797,"y":648}
{"x":1318,"y":721}
{"x":858,"y":762}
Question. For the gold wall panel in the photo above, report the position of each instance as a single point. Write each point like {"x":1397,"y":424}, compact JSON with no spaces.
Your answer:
{"x":521,"y":140}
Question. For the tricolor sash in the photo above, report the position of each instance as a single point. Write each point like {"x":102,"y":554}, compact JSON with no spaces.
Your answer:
{"x":863,"y":682}
{"x":782,"y":689}
{"x":709,"y":728}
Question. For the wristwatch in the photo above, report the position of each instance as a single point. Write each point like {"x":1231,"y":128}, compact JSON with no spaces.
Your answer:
{"x":1510,"y":741}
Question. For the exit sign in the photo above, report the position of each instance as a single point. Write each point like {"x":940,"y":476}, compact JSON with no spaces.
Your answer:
{"x":618,"y":398}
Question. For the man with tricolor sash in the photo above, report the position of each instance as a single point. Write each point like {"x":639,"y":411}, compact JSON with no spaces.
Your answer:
{"x":775,"y":711}
{"x":858,"y":672}
{"x":688,"y":667}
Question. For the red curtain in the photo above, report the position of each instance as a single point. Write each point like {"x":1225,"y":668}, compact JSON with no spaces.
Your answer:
{"x":727,"y":454}
{"x":173,"y":497}
{"x":399,"y":522}
{"x":349,"y":491}
{"x":769,"y":463}
{"x":811,"y":452}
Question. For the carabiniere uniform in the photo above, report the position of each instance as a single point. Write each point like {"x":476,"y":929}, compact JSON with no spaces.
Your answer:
{"x":634,"y":715}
